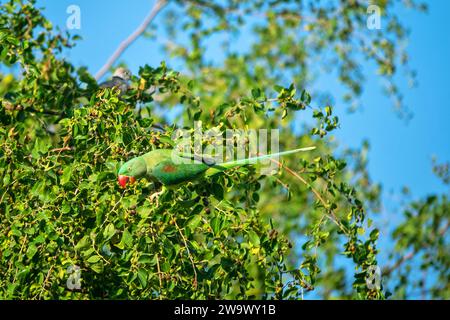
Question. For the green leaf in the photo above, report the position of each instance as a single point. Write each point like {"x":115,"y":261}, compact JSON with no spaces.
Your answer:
{"x":256,"y":93}
{"x":97,"y":267}
{"x":306,"y":98}
{"x":31,"y":251}
{"x":218,"y":191}
{"x":194,"y":221}
{"x":109,"y":231}
{"x":93,"y":259}
{"x":254,"y":238}
{"x":126,"y":240}
{"x":278,"y":88}
{"x":142,"y":276}
{"x":148,"y":259}
{"x":216,"y":225}
{"x":67,"y":174}
{"x":65,"y":208}
{"x":83,"y":243}
{"x":374,"y":234}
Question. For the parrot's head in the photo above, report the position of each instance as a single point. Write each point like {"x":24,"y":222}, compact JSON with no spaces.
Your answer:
{"x":122,"y":73}
{"x":131,"y":170}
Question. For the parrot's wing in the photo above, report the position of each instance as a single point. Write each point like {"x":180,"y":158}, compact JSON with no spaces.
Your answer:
{"x":169,"y":173}
{"x":208,"y":160}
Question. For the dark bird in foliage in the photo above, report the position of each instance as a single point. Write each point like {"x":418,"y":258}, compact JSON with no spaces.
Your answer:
{"x":119,"y":80}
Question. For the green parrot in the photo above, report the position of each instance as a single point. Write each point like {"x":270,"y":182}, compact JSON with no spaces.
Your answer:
{"x":168,"y":168}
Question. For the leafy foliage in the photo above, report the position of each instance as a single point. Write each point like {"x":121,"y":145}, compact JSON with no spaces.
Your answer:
{"x":62,"y":140}
{"x":424,"y":269}
{"x":60,"y":204}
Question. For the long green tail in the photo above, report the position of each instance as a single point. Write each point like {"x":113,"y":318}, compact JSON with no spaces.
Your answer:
{"x":232,"y":164}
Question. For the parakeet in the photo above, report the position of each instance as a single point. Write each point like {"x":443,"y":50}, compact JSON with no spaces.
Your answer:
{"x":169,"y":168}
{"x":119,"y":80}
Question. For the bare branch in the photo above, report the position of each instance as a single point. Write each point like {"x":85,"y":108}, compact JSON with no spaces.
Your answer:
{"x":332,"y":216}
{"x":189,"y":254}
{"x":389,"y":269}
{"x":11,"y":107}
{"x":61,"y":149}
{"x":131,"y":38}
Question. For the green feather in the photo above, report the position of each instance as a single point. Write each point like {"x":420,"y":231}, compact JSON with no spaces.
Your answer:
{"x":170,"y":169}
{"x":232,"y":164}
{"x":169,"y":173}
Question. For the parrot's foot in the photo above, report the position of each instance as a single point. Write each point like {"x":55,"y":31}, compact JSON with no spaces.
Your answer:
{"x":155,"y":197}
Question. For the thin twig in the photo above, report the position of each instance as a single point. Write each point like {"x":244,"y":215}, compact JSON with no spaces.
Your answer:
{"x":4,"y":193}
{"x":159,"y":269}
{"x":61,"y":149}
{"x":316,"y":193}
{"x":33,"y":110}
{"x":45,"y":282}
{"x":189,"y":254}
{"x":131,"y":38}
{"x":159,"y":274}
{"x":388,"y":270}
{"x":20,"y":252}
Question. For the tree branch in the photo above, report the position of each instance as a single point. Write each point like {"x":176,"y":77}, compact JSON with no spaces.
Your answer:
{"x":331,"y":216}
{"x":389,"y":269}
{"x":189,"y":254}
{"x":61,"y":149}
{"x":11,"y":107}
{"x":131,"y":38}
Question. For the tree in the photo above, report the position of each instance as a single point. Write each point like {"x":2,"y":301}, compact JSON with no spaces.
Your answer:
{"x":62,"y":140}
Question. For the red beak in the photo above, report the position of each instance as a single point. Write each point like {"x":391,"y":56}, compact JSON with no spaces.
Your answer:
{"x":123,"y":180}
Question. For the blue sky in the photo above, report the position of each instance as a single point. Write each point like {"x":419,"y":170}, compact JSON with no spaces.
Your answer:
{"x":400,"y":153}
